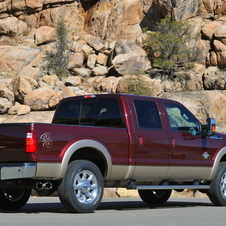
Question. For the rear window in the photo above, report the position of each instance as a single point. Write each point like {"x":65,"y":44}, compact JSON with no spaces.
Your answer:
{"x":91,"y":112}
{"x":147,"y":114}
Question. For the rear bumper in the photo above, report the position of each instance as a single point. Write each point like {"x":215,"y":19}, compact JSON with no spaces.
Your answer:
{"x":17,"y":170}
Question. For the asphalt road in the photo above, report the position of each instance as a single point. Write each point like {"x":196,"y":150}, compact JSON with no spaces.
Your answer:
{"x":124,"y":211}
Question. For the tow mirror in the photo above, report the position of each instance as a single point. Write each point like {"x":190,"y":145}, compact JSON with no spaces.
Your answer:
{"x":210,"y":126}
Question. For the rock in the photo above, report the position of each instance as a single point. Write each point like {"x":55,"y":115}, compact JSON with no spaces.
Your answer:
{"x":7,"y":93}
{"x":67,"y":92}
{"x":99,"y":71}
{"x":42,"y":99}
{"x":180,"y":10}
{"x":123,"y":46}
{"x":5,"y":104}
{"x":82,"y":72}
{"x":95,"y":43}
{"x":220,"y":33}
{"x":91,"y":61}
{"x":50,"y":80}
{"x":75,"y":61}
{"x":21,"y":86}
{"x":108,"y":84}
{"x":44,"y":35}
{"x":221,"y":59}
{"x":11,"y":26}
{"x":219,"y":46}
{"x":209,"y":29}
{"x":102,"y":59}
{"x":39,"y":117}
{"x":5,"y":82}
{"x":131,"y":63}
{"x":87,"y":50}
{"x":214,"y":79}
{"x":73,"y":81}
{"x":15,"y":58}
{"x":19,"y":109}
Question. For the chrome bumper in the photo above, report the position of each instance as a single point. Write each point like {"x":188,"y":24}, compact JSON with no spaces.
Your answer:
{"x":17,"y":170}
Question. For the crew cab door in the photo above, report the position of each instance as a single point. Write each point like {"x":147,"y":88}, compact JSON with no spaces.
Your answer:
{"x":152,"y":143}
{"x":190,"y":153}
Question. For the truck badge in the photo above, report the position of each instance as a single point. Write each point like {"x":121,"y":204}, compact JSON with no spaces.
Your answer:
{"x":47,"y":142}
{"x":206,"y":155}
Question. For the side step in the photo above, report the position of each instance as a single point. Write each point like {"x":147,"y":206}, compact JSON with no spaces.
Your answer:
{"x":165,"y":186}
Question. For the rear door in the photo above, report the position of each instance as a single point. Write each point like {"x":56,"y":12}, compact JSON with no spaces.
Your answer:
{"x":152,"y":143}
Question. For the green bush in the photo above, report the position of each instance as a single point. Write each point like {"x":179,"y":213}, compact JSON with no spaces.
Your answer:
{"x":58,"y":58}
{"x":166,"y":46}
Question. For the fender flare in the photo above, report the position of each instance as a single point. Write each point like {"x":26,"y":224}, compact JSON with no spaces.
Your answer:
{"x":217,"y":160}
{"x":82,"y":144}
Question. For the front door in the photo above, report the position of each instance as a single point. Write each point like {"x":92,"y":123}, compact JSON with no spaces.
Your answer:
{"x":190,"y":153}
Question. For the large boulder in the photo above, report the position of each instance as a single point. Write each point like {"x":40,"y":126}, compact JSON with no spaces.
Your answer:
{"x":42,"y":99}
{"x":11,"y":26}
{"x":19,"y":109}
{"x":44,"y":35}
{"x":21,"y":86}
{"x":131,"y":63}
{"x":15,"y":58}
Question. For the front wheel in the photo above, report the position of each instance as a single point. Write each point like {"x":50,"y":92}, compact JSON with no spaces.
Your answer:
{"x":217,"y":191}
{"x":81,"y":190}
{"x":154,"y":197}
{"x":13,"y":198}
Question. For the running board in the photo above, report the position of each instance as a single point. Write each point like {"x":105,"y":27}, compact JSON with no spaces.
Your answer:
{"x":171,"y":187}
{"x":165,"y":186}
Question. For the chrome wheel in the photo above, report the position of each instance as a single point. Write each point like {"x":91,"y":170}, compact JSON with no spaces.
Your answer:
{"x":223,"y":185}
{"x":85,"y":186}
{"x":217,"y":190}
{"x":81,"y":190}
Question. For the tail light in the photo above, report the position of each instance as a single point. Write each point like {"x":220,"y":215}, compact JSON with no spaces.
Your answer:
{"x":31,"y":143}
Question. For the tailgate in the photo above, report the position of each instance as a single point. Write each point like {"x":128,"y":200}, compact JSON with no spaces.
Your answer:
{"x":12,"y":142}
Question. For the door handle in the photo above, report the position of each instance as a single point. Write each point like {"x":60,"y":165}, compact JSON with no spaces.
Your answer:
{"x":173,"y":142}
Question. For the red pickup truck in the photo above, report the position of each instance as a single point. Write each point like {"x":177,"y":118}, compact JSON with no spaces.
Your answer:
{"x":111,"y":140}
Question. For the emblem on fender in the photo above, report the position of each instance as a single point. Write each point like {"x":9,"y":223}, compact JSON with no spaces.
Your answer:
{"x":206,"y":155}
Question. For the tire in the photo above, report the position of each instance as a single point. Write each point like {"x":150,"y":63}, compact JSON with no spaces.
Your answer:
{"x":81,"y":190}
{"x":154,"y":197}
{"x":217,"y":191}
{"x":13,"y":198}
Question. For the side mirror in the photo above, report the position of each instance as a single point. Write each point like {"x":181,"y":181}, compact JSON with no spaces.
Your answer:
{"x":210,"y":126}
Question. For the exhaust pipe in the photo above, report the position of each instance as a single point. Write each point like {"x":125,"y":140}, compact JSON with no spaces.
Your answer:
{"x":44,"y":186}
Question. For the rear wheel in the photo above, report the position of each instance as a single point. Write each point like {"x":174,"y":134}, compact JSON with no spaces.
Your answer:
{"x":217,"y":191}
{"x":13,"y":198}
{"x":81,"y":189}
{"x":154,"y":197}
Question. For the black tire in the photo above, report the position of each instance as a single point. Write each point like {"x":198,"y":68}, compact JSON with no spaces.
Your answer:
{"x":81,"y":190}
{"x":154,"y":197}
{"x":13,"y":198}
{"x":217,"y":191}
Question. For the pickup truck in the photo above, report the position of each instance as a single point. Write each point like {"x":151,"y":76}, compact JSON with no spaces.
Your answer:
{"x":98,"y":141}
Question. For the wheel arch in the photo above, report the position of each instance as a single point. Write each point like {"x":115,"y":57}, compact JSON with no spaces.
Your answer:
{"x":90,"y":150}
{"x":220,"y":157}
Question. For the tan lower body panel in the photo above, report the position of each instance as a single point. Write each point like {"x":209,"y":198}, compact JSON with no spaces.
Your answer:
{"x":47,"y":170}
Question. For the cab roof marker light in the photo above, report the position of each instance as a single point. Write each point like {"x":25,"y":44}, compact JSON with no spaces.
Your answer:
{"x":90,"y":96}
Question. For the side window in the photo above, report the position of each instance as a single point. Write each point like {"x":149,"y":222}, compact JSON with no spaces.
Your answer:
{"x":147,"y":114}
{"x":108,"y":113}
{"x":68,"y":113}
{"x":181,"y":119}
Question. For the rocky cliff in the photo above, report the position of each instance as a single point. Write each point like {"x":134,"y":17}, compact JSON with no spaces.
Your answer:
{"x":106,"y":41}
